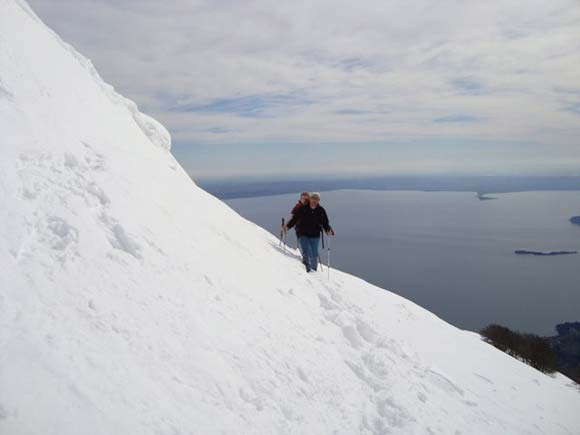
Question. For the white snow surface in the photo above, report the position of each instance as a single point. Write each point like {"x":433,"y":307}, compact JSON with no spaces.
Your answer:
{"x":133,"y":302}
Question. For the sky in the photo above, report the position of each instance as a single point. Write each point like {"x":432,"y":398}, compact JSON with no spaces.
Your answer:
{"x":302,"y":87}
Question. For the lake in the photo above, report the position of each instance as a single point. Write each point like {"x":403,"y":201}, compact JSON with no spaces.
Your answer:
{"x":453,"y":253}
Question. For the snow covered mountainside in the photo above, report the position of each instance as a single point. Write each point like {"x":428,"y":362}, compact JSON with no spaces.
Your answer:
{"x":133,"y":302}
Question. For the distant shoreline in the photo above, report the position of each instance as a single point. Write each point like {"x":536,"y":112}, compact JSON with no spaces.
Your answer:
{"x":544,"y":253}
{"x":479,"y":186}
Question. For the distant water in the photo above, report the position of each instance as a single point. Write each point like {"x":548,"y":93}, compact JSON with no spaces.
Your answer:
{"x":245,"y":187}
{"x":453,"y":253}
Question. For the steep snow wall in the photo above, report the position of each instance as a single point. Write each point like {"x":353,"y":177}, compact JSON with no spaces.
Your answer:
{"x":41,"y":68}
{"x":132,"y":302}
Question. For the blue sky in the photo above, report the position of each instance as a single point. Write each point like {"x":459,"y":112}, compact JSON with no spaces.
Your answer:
{"x":318,"y":86}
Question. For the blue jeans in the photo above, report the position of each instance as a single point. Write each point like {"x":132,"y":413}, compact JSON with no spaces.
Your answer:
{"x":309,"y":246}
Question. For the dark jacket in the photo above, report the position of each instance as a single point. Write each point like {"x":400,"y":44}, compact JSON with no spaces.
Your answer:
{"x":310,"y":220}
{"x":297,"y":207}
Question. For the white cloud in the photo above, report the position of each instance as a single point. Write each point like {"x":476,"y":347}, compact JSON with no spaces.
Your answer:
{"x":357,"y":72}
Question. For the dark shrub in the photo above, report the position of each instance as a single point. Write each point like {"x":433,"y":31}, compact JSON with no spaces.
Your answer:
{"x":540,"y":355}
{"x":531,"y":349}
{"x":568,"y":328}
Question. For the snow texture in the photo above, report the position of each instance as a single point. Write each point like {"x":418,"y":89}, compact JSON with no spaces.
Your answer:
{"x":133,"y":302}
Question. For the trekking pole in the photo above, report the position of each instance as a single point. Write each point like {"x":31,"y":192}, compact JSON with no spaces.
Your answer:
{"x":284,"y":231}
{"x":282,"y":234}
{"x":328,"y":257}
{"x":319,"y":259}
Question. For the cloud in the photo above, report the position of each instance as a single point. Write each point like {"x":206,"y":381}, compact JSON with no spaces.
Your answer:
{"x":224,"y":72}
{"x":457,"y":118}
{"x":470,"y":87}
{"x":247,"y":106}
{"x":352,"y":112}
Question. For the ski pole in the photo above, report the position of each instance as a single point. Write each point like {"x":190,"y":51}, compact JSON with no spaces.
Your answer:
{"x":283,"y":232}
{"x":319,"y":259}
{"x":328,"y":257}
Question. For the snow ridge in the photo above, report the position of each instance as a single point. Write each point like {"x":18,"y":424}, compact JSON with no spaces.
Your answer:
{"x":133,"y":302}
{"x":157,"y":133}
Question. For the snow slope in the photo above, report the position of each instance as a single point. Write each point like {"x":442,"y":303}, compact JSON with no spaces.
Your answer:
{"x":132,"y":302}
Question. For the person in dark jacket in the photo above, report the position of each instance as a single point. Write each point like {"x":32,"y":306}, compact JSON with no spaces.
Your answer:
{"x":312,"y":219}
{"x":303,"y":201}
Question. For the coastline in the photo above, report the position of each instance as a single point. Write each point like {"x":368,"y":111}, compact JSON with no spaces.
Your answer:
{"x":482,"y":187}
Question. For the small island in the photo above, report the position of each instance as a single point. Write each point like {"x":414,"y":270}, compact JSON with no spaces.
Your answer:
{"x":484,"y":197}
{"x":575,"y":220}
{"x":544,"y":253}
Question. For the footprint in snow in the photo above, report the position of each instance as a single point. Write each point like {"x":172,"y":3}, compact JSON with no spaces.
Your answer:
{"x":365,"y":331}
{"x":61,"y":233}
{"x":302,"y":375}
{"x":326,"y":303}
{"x":120,"y":239}
{"x":394,"y":414}
{"x":352,"y":336}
